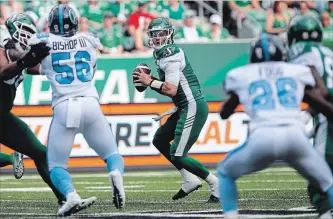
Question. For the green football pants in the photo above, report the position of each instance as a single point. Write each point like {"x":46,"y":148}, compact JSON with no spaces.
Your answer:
{"x":324,"y":144}
{"x":15,"y":134}
{"x":5,"y":159}
{"x":183,"y":128}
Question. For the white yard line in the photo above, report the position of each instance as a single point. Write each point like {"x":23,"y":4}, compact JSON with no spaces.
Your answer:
{"x":46,"y":189}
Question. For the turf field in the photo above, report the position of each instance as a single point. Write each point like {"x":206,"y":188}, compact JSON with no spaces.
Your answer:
{"x":277,"y":192}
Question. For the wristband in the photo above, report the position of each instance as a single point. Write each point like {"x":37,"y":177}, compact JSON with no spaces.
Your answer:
{"x":156,"y":84}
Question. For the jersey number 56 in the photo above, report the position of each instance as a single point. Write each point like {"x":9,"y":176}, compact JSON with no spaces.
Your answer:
{"x":66,"y":73}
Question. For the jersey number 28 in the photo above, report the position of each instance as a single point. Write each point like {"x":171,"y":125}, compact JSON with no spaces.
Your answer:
{"x":66,"y":73}
{"x":286,"y":88}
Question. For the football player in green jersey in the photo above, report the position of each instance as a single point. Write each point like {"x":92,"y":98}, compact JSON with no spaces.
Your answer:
{"x":16,"y":159}
{"x":304,"y":40}
{"x":178,"y":81}
{"x":14,"y":133}
{"x":14,"y":63}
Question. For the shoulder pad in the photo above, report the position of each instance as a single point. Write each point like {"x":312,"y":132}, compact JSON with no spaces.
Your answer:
{"x":299,"y":49}
{"x":168,"y":51}
{"x":42,"y":35}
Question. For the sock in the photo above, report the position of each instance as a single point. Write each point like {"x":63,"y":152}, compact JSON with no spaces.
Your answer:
{"x":228,"y":193}
{"x":62,"y":180}
{"x":185,"y":174}
{"x":330,"y":196}
{"x":6,"y":159}
{"x":211,"y":179}
{"x":115,"y":162}
{"x":192,"y":165}
{"x":43,"y":171}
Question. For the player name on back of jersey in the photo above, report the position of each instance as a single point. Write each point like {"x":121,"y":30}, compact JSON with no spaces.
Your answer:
{"x":69,"y":45}
{"x":269,"y":71}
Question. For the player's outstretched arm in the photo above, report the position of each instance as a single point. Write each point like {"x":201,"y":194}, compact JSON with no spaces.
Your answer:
{"x":317,"y":101}
{"x":35,"y":55}
{"x":229,"y":106}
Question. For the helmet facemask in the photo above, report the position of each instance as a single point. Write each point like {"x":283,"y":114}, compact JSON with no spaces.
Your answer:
{"x":160,"y":37}
{"x":22,"y":34}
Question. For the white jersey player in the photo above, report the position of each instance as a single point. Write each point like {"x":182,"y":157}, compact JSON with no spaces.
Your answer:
{"x":70,"y":69}
{"x":271,"y":92}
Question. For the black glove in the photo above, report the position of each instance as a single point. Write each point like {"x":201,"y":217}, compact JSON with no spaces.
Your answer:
{"x":10,"y":44}
{"x":36,"y":54}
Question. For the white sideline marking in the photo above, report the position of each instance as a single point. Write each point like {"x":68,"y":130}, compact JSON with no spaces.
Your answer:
{"x":166,"y":215}
{"x":109,"y":187}
{"x":46,"y":189}
{"x":287,"y":170}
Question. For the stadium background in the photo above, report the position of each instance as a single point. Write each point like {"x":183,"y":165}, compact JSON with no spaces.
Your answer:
{"x":214,"y":34}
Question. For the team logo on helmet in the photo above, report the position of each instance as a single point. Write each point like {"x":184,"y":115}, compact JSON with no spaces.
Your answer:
{"x":72,"y":16}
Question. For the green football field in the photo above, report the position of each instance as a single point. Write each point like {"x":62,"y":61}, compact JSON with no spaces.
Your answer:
{"x":277,"y":192}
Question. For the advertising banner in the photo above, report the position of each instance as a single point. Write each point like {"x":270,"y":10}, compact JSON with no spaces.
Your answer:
{"x":134,"y":128}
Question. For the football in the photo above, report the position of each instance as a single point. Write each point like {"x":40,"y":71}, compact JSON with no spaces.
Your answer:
{"x":143,"y":67}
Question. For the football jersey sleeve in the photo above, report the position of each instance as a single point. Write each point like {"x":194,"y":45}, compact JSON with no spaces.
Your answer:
{"x":231,"y":83}
{"x":172,"y":67}
{"x":4,"y":36}
{"x":305,"y":76}
{"x":311,"y":58}
{"x":96,"y":43}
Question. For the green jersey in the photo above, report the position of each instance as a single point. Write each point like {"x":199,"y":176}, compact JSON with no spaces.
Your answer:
{"x":314,"y":54}
{"x":188,"y":84}
{"x":8,"y":93}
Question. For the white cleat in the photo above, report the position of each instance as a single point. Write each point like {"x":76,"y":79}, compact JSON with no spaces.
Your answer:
{"x":73,"y":202}
{"x":213,"y":183}
{"x":18,"y":165}
{"x":326,"y":215}
{"x":231,"y":215}
{"x":118,"y":191}
{"x":190,"y":183}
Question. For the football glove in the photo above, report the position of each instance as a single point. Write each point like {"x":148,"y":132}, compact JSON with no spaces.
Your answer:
{"x":35,"y":55}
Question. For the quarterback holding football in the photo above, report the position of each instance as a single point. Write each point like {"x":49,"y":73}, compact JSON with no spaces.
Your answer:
{"x":178,"y":81}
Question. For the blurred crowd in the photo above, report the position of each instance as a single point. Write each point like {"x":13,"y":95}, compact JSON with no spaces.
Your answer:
{"x":121,"y":24}
{"x":273,"y":16}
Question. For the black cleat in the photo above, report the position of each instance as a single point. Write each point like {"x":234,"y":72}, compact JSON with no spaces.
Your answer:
{"x":213,"y":199}
{"x":181,"y":194}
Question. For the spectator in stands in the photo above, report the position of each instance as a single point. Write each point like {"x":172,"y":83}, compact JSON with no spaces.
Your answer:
{"x":330,"y":9}
{"x":217,"y":32}
{"x":155,"y":7}
{"x":190,"y":32}
{"x":42,"y":9}
{"x":175,"y":11}
{"x":84,"y":25}
{"x":277,"y":19}
{"x":111,"y":36}
{"x":70,"y":4}
{"x":136,"y":24}
{"x":240,"y":8}
{"x":94,"y":11}
{"x":12,"y":7}
{"x":121,"y":9}
{"x":304,"y":10}
{"x":327,"y":29}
